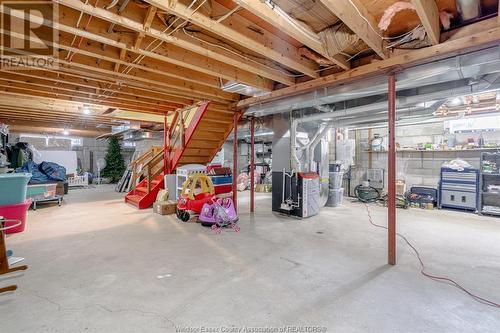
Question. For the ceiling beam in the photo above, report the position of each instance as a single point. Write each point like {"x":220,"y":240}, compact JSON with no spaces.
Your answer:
{"x":36,"y":107}
{"x":92,"y":94}
{"x":428,"y":13}
{"x":469,"y":29}
{"x":54,"y":119}
{"x":185,"y":42}
{"x":130,"y":88}
{"x":179,"y":86}
{"x":123,"y":53}
{"x":31,"y":91}
{"x":353,"y":13}
{"x":148,"y":20}
{"x":174,"y":62}
{"x":292,"y":28}
{"x":93,"y":49}
{"x":446,"y":49}
{"x":28,"y":89}
{"x":47,"y":127}
{"x":185,"y":91}
{"x":42,"y":107}
{"x":150,"y":15}
{"x":136,"y":88}
{"x":125,"y":93}
{"x":33,"y":99}
{"x":277,"y":50}
{"x":93,"y":117}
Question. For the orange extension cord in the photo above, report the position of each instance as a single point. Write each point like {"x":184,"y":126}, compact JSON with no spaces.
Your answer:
{"x":430,"y":276}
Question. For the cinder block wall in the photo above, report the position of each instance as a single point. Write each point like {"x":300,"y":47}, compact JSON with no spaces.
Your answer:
{"x":87,"y":154}
{"x":416,"y":168}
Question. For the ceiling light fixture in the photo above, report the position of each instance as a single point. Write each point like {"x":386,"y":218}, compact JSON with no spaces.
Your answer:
{"x":456,"y":101}
{"x":65,"y":132}
{"x":86,"y":109}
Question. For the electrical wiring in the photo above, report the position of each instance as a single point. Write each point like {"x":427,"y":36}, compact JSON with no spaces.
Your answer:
{"x":160,"y":42}
{"x":477,"y":298}
{"x":77,"y":25}
{"x":271,"y":68}
{"x":350,"y":57}
{"x":241,"y":55}
{"x":139,"y":58}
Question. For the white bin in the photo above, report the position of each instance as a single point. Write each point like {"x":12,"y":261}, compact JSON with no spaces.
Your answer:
{"x":335,"y":179}
{"x":335,"y":197}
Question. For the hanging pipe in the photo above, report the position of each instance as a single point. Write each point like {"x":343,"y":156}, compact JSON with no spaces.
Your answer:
{"x":112,"y":4}
{"x":314,"y":143}
{"x":120,"y":10}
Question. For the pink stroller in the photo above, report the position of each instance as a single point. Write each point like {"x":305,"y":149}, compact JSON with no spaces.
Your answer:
{"x":219,"y":214}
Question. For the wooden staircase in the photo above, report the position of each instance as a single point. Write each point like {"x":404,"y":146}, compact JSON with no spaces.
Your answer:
{"x":193,"y":135}
{"x":148,"y":171}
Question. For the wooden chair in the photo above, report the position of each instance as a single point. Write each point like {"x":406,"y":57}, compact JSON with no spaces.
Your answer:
{"x":4,"y":263}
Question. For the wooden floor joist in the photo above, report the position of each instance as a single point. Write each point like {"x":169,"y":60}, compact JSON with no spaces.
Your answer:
{"x":461,"y":45}
{"x":153,"y":57}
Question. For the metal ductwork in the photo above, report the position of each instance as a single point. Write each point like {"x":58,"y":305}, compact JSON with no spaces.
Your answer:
{"x":467,"y":66}
{"x":424,"y":103}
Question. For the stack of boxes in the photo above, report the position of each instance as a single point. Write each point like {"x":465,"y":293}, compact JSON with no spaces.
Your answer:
{"x":163,"y":206}
{"x":221,"y":178}
{"x":335,"y":190}
{"x":13,"y":202}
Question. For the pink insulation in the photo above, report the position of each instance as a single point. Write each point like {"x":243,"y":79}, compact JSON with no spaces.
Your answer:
{"x":389,"y":13}
{"x":445,"y":19}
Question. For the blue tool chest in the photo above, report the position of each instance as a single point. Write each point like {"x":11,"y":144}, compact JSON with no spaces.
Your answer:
{"x":459,"y":189}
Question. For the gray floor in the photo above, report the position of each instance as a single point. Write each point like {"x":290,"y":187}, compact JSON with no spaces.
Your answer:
{"x":98,"y":265}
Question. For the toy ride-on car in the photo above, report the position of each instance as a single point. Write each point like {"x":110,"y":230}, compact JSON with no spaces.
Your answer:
{"x":196,"y":192}
{"x":218,"y":214}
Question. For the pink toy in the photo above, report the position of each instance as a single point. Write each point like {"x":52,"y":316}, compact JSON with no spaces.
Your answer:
{"x":218,"y":214}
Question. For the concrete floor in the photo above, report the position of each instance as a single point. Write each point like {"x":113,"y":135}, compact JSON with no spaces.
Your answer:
{"x":98,"y":265}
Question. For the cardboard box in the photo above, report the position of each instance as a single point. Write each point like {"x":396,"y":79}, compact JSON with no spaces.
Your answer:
{"x":400,"y":187}
{"x":165,"y":207}
{"x":60,"y":189}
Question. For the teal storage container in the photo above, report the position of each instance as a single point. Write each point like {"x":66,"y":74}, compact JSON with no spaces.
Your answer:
{"x":13,"y":188}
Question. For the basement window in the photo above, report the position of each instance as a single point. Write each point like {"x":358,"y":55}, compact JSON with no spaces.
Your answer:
{"x":476,"y":124}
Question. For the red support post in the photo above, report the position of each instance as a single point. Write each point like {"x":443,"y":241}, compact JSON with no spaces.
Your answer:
{"x":235,"y":160}
{"x":165,"y":145}
{"x":252,"y":165}
{"x":391,"y":161}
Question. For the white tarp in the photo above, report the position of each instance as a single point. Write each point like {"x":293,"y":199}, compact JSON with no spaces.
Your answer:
{"x":65,"y":158}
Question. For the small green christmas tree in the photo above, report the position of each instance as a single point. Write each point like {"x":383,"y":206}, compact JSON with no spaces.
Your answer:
{"x":115,"y":164}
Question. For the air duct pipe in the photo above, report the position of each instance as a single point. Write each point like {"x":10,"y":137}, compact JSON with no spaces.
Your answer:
{"x":487,"y":83}
{"x":312,"y":145}
{"x":461,"y":67}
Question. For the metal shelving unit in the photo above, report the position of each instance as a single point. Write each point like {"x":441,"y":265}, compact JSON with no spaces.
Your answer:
{"x":490,"y":176}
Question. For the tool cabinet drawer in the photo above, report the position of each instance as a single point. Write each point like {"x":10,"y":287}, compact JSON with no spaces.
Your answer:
{"x":459,"y":199}
{"x":459,"y":176}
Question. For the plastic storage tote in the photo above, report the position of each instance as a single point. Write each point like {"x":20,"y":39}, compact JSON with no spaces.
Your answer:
{"x":221,"y":189}
{"x":335,"y":181}
{"x":335,"y":197}
{"x":15,"y":213}
{"x":13,"y":188}
{"x":222,"y":180}
{"x":41,"y":191}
